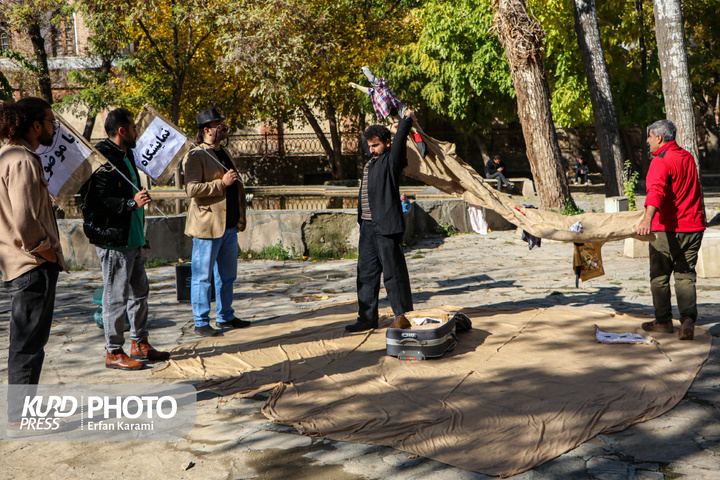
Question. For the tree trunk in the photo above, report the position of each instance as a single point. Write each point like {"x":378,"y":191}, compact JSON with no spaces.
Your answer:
{"x":676,"y":85}
{"x":336,"y":158}
{"x":522,"y":38}
{"x":712,"y":133}
{"x":641,"y":40}
{"x":89,"y":125}
{"x":576,"y":149}
{"x":482,"y":147}
{"x":361,"y":155}
{"x":607,"y":132}
{"x":280,"y":128}
{"x":38,"y":43}
{"x":177,"y":92}
{"x":310,"y":117}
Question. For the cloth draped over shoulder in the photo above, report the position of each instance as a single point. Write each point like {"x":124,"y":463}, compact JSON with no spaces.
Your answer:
{"x":444,"y":170}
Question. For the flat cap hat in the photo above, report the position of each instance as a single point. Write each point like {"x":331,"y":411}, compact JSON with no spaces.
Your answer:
{"x":207,"y":116}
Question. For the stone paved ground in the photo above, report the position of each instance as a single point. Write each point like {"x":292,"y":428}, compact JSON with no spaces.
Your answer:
{"x":233,"y":440}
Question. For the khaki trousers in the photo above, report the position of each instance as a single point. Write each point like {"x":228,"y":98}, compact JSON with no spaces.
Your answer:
{"x":674,"y":253}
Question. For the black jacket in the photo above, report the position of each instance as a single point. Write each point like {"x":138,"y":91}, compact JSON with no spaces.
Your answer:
{"x":107,"y":220}
{"x":384,"y":184}
{"x":491,"y":167}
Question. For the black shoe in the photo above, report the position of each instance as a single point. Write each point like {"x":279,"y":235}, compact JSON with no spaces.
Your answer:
{"x":360,"y":326}
{"x":234,"y":323}
{"x":510,"y":186}
{"x":206,"y":331}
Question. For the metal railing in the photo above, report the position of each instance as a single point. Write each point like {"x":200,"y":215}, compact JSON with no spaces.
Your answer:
{"x":293,"y":144}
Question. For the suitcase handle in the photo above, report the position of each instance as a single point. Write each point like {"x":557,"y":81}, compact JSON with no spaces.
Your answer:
{"x":410,"y":341}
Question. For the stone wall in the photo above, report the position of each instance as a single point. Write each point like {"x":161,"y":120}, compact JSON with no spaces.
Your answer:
{"x":301,"y":232}
{"x":166,"y":236}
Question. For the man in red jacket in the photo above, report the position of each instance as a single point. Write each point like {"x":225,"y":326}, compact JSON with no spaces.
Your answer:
{"x":674,"y":213}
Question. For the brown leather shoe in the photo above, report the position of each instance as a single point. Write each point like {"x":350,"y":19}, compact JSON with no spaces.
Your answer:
{"x":687,"y":329}
{"x":118,"y":359}
{"x":654,"y":326}
{"x":143,"y":351}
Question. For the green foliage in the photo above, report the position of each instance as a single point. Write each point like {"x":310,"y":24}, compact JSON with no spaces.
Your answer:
{"x":278,"y":252}
{"x":345,"y":253}
{"x":457,"y":67}
{"x":158,"y":262}
{"x":97,"y":86}
{"x":74,"y":267}
{"x":623,"y":30}
{"x":304,"y":53}
{"x":570,"y":208}
{"x":630,"y":180}
{"x":173,"y":63}
{"x":446,"y":229}
{"x":351,"y":254}
{"x":6,"y":90}
{"x":703,"y":32}
{"x":273,"y":252}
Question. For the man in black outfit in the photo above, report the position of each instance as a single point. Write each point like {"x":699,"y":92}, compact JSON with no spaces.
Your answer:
{"x":381,"y":225}
{"x":494,"y":168}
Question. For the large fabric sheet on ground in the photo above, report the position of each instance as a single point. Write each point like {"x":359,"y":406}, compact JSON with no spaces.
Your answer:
{"x":521,"y":388}
{"x":444,"y":170}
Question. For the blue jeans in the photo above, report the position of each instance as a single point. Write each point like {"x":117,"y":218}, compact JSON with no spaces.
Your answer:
{"x":218,"y":256}
{"x":581,"y":171}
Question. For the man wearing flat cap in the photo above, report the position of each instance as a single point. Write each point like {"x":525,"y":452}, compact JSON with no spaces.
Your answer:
{"x":215,"y":215}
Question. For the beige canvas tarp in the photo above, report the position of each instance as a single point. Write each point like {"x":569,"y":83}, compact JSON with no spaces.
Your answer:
{"x":521,"y":388}
{"x":444,"y":170}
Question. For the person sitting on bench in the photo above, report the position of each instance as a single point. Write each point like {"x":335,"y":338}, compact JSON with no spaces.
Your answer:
{"x":494,"y":169}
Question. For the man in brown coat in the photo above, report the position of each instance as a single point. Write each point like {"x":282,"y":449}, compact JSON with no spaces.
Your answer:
{"x":30,"y":253}
{"x":215,"y":215}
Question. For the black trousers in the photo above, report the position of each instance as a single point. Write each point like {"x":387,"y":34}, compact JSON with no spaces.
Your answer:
{"x":32,"y":299}
{"x":381,"y":254}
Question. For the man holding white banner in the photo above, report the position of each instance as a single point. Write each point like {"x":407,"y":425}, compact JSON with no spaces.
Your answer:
{"x":216,"y":213}
{"x":114,"y":223}
{"x":30,"y":253}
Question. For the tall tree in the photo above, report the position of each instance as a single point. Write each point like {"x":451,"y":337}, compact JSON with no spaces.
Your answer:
{"x":169,"y":37}
{"x":601,"y":96}
{"x":31,"y":18}
{"x":676,"y":84}
{"x":627,"y":33}
{"x":302,"y":55}
{"x":522,"y":38}
{"x":703,"y":30}
{"x":457,"y":68}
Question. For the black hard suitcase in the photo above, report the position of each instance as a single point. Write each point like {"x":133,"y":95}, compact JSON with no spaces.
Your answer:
{"x":425,"y":341}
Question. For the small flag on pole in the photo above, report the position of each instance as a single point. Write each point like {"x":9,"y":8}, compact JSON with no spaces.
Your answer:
{"x":160,"y":147}
{"x":69,"y":162}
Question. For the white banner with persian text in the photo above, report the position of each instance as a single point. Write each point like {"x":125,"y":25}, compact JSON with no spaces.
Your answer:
{"x":160,"y":147}
{"x":68,"y":162}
